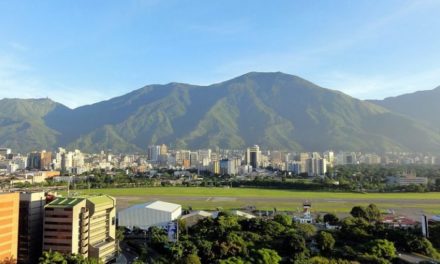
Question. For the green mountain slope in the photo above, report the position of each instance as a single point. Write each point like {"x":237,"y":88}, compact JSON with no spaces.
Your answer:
{"x":422,"y":106}
{"x":274,"y":110}
{"x":22,"y":124}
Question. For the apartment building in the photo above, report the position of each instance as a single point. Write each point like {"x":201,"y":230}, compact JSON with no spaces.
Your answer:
{"x":9,"y":206}
{"x":30,"y":228}
{"x":81,"y":225}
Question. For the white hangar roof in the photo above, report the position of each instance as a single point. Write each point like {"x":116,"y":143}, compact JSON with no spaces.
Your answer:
{"x":158,"y":205}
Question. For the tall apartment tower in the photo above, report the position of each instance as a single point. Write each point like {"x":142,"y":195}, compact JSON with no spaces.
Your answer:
{"x":82,"y":225}
{"x":9,"y":206}
{"x":30,"y":227}
{"x":253,"y":156}
{"x":153,"y":152}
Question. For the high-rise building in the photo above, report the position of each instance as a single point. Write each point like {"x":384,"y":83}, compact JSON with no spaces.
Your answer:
{"x":153,"y":152}
{"x":9,"y":206}
{"x":81,"y":225}
{"x":163,"y":149}
{"x":34,"y":160}
{"x":316,"y":166}
{"x":40,"y":160}
{"x":215,"y":167}
{"x":330,"y":157}
{"x":295,"y":167}
{"x":30,"y":229}
{"x":253,"y":156}
{"x":194,"y":159}
{"x":227,"y":166}
{"x":46,"y":160}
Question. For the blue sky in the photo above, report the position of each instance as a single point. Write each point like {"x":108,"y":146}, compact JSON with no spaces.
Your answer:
{"x":81,"y":52}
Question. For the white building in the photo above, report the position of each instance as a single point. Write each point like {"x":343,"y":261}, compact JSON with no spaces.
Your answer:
{"x":153,"y":152}
{"x":316,"y":166}
{"x":155,"y":213}
{"x":306,"y":217}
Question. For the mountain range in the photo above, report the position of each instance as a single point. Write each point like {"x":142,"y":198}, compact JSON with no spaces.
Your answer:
{"x":273,"y":110}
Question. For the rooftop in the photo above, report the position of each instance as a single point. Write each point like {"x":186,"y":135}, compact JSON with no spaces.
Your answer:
{"x":159,"y":205}
{"x":101,"y":199}
{"x":200,"y":213}
{"x":65,"y":202}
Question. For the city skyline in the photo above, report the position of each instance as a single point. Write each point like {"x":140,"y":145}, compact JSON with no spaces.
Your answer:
{"x":81,"y":55}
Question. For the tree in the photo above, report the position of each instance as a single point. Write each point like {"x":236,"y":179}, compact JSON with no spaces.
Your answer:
{"x":191,"y":259}
{"x":306,"y":230}
{"x":232,"y":260}
{"x":294,"y":243}
{"x":359,"y":212}
{"x":382,"y":248}
{"x":283,"y":219}
{"x":267,"y":256}
{"x":325,"y":241}
{"x":233,"y":245}
{"x":331,"y":219}
{"x":52,"y":257}
{"x":424,"y":246}
{"x":373,"y":212}
{"x":120,"y":234}
{"x":434,"y":232}
{"x":79,"y":259}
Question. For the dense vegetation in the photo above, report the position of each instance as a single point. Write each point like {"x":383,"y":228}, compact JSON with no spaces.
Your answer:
{"x":360,"y":238}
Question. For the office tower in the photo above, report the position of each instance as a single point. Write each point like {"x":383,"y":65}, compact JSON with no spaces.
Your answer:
{"x":40,"y":160}
{"x":253,"y":156}
{"x":153,"y":152}
{"x":30,"y":228}
{"x":228,"y":166}
{"x":81,"y":225}
{"x":34,"y":161}
{"x":9,"y":206}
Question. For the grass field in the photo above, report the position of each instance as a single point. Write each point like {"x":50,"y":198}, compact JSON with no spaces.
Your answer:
{"x":235,"y":198}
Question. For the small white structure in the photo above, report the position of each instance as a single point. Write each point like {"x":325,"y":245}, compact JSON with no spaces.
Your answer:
{"x":242,"y":214}
{"x":307,"y":217}
{"x":155,"y":213}
{"x":436,"y":218}
{"x":192,"y":218}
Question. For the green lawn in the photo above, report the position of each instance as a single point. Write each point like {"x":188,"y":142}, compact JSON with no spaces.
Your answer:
{"x":234,"y":198}
{"x":253,"y":192}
